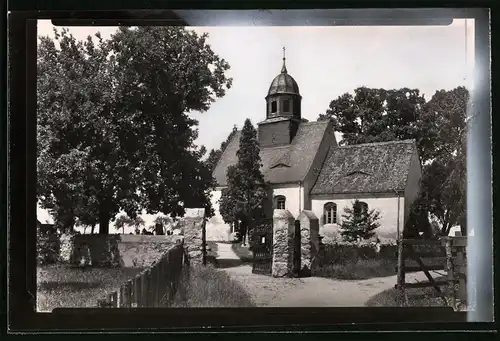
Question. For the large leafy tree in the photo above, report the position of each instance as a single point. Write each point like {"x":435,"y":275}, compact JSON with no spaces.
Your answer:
{"x":376,"y":115}
{"x":246,"y":195}
{"x":437,"y":125}
{"x":113,"y":126}
{"x":444,"y":130}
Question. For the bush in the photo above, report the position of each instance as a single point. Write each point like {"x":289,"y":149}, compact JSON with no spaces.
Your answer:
{"x":360,"y":269}
{"x":361,"y":259}
{"x":339,"y":252}
{"x":47,"y":246}
{"x":208,"y":287}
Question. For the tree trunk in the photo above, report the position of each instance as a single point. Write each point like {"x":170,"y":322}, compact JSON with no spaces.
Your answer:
{"x":92,"y":229}
{"x":463,"y":224}
{"x":103,"y":222}
{"x":243,"y":232}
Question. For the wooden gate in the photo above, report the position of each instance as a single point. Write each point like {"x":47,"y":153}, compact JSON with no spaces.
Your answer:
{"x":262,"y":247}
{"x":411,"y":259}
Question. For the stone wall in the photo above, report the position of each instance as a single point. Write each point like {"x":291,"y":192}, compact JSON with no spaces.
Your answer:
{"x":114,"y":250}
{"x":283,"y":232}
{"x":194,"y":234}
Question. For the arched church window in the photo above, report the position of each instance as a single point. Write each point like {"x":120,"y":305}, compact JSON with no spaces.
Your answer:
{"x":286,"y":105}
{"x":280,"y":202}
{"x":360,"y":208}
{"x":330,"y":212}
{"x":274,"y":107}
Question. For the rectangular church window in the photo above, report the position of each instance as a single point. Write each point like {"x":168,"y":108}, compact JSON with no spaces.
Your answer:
{"x":274,"y":107}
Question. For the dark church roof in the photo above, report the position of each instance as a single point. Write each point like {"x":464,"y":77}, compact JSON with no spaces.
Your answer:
{"x":366,"y":168}
{"x":283,"y":83}
{"x":285,"y":164}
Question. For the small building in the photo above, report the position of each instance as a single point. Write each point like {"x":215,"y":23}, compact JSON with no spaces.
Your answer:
{"x":382,"y":176}
{"x":308,"y":171}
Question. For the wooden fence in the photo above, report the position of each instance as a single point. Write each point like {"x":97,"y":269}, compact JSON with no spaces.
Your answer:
{"x":446,"y":254}
{"x":154,"y":287}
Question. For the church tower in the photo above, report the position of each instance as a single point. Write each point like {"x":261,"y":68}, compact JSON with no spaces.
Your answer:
{"x":283,"y":110}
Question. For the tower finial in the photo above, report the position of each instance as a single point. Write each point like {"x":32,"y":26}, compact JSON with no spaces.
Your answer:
{"x":283,"y":69}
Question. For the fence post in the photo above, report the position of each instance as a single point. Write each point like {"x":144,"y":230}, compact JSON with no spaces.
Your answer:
{"x":121,"y":296}
{"x":159,"y":281}
{"x":145,"y":288}
{"x":138,"y":291}
{"x":401,"y":269}
{"x":451,"y":293}
{"x":114,"y":297}
{"x":462,"y":293}
{"x":152,"y":286}
{"x":164,"y":279}
{"x":127,"y":294}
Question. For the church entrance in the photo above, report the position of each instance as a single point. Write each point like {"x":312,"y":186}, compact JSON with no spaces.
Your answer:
{"x":262,"y":246}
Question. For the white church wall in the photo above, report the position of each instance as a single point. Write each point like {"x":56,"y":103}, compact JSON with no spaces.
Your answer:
{"x":386,"y":204}
{"x":216,"y":228}
{"x":294,"y":195}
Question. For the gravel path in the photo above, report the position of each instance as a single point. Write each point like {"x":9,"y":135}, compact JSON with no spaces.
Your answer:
{"x":267,"y":291}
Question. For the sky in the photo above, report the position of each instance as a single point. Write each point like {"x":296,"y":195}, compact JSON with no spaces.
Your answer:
{"x":326,"y":62}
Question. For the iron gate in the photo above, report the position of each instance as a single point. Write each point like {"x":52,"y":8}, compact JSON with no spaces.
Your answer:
{"x":262,"y":247}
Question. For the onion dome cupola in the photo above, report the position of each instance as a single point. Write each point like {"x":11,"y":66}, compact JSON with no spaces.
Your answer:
{"x":283,"y":98}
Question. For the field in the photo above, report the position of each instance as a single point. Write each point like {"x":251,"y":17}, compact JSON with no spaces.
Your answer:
{"x":61,"y":286}
{"x":208,"y":287}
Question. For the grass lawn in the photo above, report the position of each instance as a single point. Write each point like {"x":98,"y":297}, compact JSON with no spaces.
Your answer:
{"x":417,"y":297}
{"x":361,"y":269}
{"x":242,"y":252}
{"x":211,"y":288}
{"x":212,"y":252}
{"x":61,"y":286}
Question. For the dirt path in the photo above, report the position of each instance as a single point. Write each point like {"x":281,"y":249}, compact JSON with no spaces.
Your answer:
{"x":267,"y":291}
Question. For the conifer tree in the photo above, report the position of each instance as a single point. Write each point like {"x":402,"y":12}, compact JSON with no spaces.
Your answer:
{"x":358,"y":222}
{"x":246,"y":195}
{"x":215,"y":154}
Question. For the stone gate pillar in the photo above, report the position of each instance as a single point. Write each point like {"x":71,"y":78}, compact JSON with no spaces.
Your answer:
{"x":194,"y":220}
{"x":283,"y":231}
{"x":309,"y":239}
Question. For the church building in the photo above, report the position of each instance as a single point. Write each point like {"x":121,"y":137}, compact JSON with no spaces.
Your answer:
{"x":307,"y":170}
